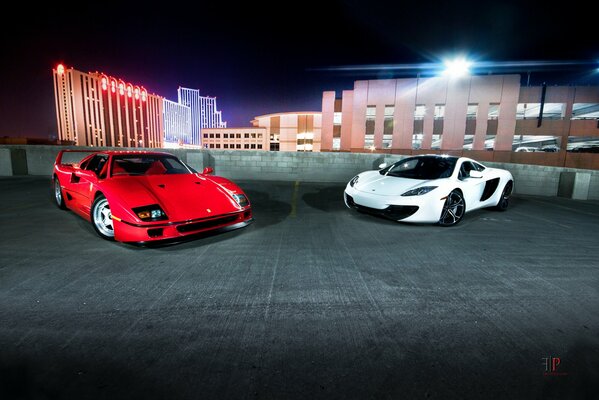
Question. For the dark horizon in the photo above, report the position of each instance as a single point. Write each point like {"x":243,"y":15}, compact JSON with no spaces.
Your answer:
{"x":259,"y":61}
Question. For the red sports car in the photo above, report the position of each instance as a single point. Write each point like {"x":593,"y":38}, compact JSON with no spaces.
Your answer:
{"x":139,"y":196}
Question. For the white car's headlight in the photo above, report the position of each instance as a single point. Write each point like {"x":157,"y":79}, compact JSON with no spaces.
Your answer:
{"x":419,"y":191}
{"x":354,"y":180}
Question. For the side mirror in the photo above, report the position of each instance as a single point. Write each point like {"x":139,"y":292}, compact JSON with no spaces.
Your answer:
{"x":89,"y":175}
{"x":208,"y":171}
{"x":383,"y":165}
{"x":476,"y":174}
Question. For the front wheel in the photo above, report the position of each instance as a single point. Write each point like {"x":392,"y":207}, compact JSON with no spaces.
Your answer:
{"x":102,"y":218}
{"x":453,"y":209}
{"x":504,"y":200}
{"x":58,"y":194}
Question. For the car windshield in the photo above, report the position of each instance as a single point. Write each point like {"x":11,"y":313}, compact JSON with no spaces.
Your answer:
{"x":423,"y":168}
{"x":150,"y":164}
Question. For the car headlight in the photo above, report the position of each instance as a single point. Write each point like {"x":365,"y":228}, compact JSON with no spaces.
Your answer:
{"x":419,"y":191}
{"x":241,"y":199}
{"x":354,"y":180}
{"x":152,"y":212}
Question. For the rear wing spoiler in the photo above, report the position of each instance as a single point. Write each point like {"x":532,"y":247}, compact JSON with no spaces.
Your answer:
{"x":61,"y":153}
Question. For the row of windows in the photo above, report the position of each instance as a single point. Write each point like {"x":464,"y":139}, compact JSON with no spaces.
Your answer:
{"x":523,"y":111}
{"x":246,"y":146}
{"x":233,"y":135}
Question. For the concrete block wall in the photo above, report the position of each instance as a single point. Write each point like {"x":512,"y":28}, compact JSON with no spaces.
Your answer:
{"x":307,"y":167}
{"x":5,"y":162}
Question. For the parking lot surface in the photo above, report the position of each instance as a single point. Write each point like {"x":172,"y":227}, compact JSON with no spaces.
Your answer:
{"x":311,"y":301}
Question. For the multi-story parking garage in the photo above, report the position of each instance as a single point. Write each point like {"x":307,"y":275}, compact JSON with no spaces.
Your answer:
{"x":489,"y":117}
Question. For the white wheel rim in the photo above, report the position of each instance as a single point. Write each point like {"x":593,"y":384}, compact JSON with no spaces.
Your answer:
{"x":103,"y":218}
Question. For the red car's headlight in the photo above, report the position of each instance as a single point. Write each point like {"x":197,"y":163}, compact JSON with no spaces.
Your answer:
{"x":241,"y":199}
{"x":152,"y":212}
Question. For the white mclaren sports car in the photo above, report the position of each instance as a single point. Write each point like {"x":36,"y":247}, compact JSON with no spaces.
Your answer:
{"x":430,"y":189}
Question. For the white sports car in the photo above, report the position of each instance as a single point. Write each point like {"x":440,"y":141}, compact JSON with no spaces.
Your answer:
{"x":429,"y":188}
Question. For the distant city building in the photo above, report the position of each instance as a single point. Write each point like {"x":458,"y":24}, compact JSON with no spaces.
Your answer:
{"x":177,"y":125}
{"x":250,"y":138}
{"x":204,"y":113}
{"x":292,"y":131}
{"x":480,"y":114}
{"x":93,"y":109}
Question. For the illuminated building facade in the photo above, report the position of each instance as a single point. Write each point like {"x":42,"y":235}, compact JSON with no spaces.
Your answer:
{"x":292,"y":131}
{"x":204,"y":113}
{"x":93,"y":109}
{"x":177,"y":125}
{"x":253,"y":138}
{"x":490,"y":117}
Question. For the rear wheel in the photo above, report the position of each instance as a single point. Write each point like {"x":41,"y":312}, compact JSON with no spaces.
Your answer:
{"x":504,"y":200}
{"x":453,"y":209}
{"x":58,"y":194}
{"x":102,"y":218}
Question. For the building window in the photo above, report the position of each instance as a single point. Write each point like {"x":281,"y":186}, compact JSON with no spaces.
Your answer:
{"x":336,"y":143}
{"x":238,"y":145}
{"x":259,"y":136}
{"x":536,"y":143}
{"x":439,"y":111}
{"x":225,"y":146}
{"x":259,"y":146}
{"x":246,"y":146}
{"x":274,"y":146}
{"x":253,"y":136}
{"x":218,"y":146}
{"x":225,"y":135}
{"x":583,"y":144}
{"x":238,"y":136}
{"x":419,"y":111}
{"x":205,"y":136}
{"x":218,"y":135}
{"x":585,"y":111}
{"x":532,"y":110}
{"x":253,"y":146}
{"x":211,"y":145}
{"x":388,"y":127}
{"x":472,"y":111}
{"x":369,"y":134}
{"x":212,"y":136}
{"x":246,"y":135}
{"x":337,"y":118}
{"x":493,"y":111}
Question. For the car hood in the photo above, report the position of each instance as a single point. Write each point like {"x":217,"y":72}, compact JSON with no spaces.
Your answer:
{"x":373,"y":182}
{"x":181,"y":196}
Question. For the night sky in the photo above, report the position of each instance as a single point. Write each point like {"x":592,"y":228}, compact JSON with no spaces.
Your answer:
{"x":258,"y":59}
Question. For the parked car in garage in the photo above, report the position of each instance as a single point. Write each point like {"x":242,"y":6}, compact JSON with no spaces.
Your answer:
{"x":139,"y":196}
{"x":429,"y":188}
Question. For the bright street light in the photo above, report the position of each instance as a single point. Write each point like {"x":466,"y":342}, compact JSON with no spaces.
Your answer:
{"x":457,"y":67}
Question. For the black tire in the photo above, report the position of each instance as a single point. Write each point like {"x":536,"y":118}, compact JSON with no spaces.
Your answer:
{"x":453,"y":209}
{"x":504,"y":200}
{"x":58,"y":194}
{"x":101,"y":218}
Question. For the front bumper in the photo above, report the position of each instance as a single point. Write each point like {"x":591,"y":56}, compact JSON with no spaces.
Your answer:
{"x":426,"y":208}
{"x":165,"y":231}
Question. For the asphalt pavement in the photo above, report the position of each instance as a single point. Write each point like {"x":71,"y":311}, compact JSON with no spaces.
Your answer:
{"x":311,"y":301}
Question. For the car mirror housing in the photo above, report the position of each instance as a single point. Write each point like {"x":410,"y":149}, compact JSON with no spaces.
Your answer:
{"x":208,"y":171}
{"x":383,"y":165}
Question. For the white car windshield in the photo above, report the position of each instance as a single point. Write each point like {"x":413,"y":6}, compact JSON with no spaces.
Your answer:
{"x":423,"y":168}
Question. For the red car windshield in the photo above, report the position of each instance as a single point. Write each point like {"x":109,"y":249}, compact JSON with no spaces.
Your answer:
{"x":147,"y":165}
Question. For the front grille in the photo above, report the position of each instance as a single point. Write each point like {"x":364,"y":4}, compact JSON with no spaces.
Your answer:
{"x":196,"y":226}
{"x":392,"y":212}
